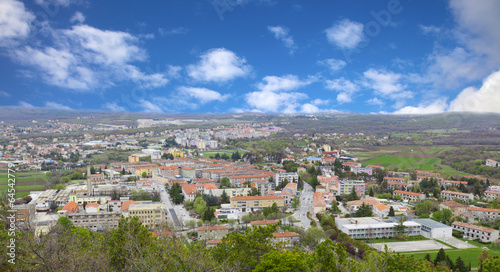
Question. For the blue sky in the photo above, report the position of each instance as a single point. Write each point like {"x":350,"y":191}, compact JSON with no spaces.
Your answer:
{"x":251,"y":55}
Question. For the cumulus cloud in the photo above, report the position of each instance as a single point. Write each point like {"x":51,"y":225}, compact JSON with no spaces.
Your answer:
{"x":309,"y":108}
{"x":86,"y":58}
{"x":437,"y":106}
{"x":284,"y":36}
{"x":56,"y":106}
{"x":345,"y":34}
{"x":219,"y":65}
{"x":486,"y":99}
{"x":147,"y":106}
{"x":284,"y":83}
{"x":203,"y":95}
{"x":333,"y":64}
{"x":345,"y":88}
{"x":113,"y":106}
{"x":78,"y":17}
{"x":270,"y":101}
{"x":15,"y":22}
{"x":375,"y":101}
{"x":383,"y":82}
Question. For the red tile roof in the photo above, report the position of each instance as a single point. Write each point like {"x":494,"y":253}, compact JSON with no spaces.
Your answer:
{"x":217,"y":227}
{"x":471,"y":226}
{"x":256,"y":197}
{"x":264,"y":222}
{"x":70,"y":207}
{"x":285,"y":234}
{"x":483,"y":209}
{"x":126,"y":204}
{"x":407,"y":193}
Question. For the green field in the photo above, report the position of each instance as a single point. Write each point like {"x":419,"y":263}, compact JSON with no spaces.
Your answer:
{"x":25,"y":181}
{"x":212,"y":154}
{"x":393,"y":161}
{"x":301,"y":144}
{"x":467,"y":255}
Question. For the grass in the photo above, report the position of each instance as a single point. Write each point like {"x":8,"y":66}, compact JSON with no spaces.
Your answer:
{"x":301,"y":144}
{"x":212,"y":154}
{"x":25,"y":181}
{"x":467,"y":255}
{"x":393,"y":161}
{"x":444,"y":131}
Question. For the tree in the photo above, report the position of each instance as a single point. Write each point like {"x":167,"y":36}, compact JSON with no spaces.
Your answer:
{"x":144,"y":174}
{"x":400,"y":228}
{"x":65,"y":222}
{"x":491,"y":264}
{"x":353,"y":196}
{"x":175,"y":193}
{"x":293,"y":261}
{"x":364,"y":211}
{"x":199,"y":205}
{"x":494,"y":204}
{"x":92,"y":170}
{"x":236,"y":156}
{"x":460,"y":265}
{"x":224,"y":197}
{"x":437,"y":216}
{"x":371,"y":192}
{"x":447,"y":215}
{"x":391,"y":211}
{"x":225,"y":182}
{"x":485,"y":254}
{"x":440,"y":257}
{"x":208,"y":214}
{"x":60,"y":186}
{"x":398,"y":197}
{"x":295,"y":202}
{"x":313,"y":236}
{"x":191,"y":224}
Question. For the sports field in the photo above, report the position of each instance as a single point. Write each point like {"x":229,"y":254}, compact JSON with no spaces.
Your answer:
{"x":410,"y":246}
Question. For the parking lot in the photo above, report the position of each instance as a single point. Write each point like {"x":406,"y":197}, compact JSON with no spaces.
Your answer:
{"x":410,"y":246}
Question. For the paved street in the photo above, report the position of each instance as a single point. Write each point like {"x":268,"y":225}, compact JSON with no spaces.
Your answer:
{"x":177,"y":214}
{"x":306,"y":204}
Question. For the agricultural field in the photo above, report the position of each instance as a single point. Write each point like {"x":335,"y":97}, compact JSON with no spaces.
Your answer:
{"x":25,"y":182}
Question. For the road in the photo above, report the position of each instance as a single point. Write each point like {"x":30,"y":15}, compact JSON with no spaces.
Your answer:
{"x":306,"y":205}
{"x":177,"y":214}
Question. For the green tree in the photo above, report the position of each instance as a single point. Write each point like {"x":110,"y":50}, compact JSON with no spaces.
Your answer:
{"x":199,"y":205}
{"x":353,"y":195}
{"x":494,"y":204}
{"x":65,"y":222}
{"x":437,"y":216}
{"x":447,"y":215}
{"x":440,"y":257}
{"x":460,"y":265}
{"x":391,"y":211}
{"x":371,"y":192}
{"x":274,"y":261}
{"x":225,"y":182}
{"x":364,"y":211}
{"x":491,"y":264}
{"x":224,"y":197}
{"x":208,"y":214}
{"x":400,"y":228}
{"x":313,"y":236}
{"x":92,"y":170}
{"x":60,"y":186}
{"x":295,"y":202}
{"x":144,"y":174}
{"x":175,"y":193}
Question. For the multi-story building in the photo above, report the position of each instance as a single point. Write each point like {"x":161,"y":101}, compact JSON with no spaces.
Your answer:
{"x":491,"y":163}
{"x":264,"y":187}
{"x":226,"y":212}
{"x":256,"y":203}
{"x":25,"y":215}
{"x":288,"y":239}
{"x":88,"y":199}
{"x":456,"y":208}
{"x":434,"y":229}
{"x":484,"y":213}
{"x":449,"y":183}
{"x":397,"y":185}
{"x":344,"y":187}
{"x":212,"y":232}
{"x":450,"y":195}
{"x":251,"y":178}
{"x":290,"y":177}
{"x":410,"y":196}
{"x":151,"y":214}
{"x":379,"y":229}
{"x":490,"y":195}
{"x":476,"y":232}
{"x":95,"y":221}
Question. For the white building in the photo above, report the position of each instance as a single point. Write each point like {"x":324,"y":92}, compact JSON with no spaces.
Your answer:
{"x":451,"y":195}
{"x":291,"y":176}
{"x":379,"y":229}
{"x":226,"y":212}
{"x":476,"y":232}
{"x":433,"y":229}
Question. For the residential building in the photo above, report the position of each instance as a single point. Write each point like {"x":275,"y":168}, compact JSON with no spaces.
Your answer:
{"x":284,"y":194}
{"x":151,"y":214}
{"x":290,"y":177}
{"x":377,"y":229}
{"x":397,"y":185}
{"x":292,"y":188}
{"x":484,"y":213}
{"x":92,"y":207}
{"x":491,"y":163}
{"x":70,"y":207}
{"x":263,"y":222}
{"x":189,"y":191}
{"x":490,"y":195}
{"x":451,"y":195}
{"x":434,"y":229}
{"x":264,"y":187}
{"x":226,"y":212}
{"x":476,"y":232}
{"x":256,"y":203}
{"x":212,"y":232}
{"x":409,"y":196}
{"x":344,"y":187}
{"x":456,"y":208}
{"x":95,"y":221}
{"x":381,"y":210}
{"x":449,"y":183}
{"x":288,"y":239}
{"x":89,"y":199}
{"x":353,"y":206}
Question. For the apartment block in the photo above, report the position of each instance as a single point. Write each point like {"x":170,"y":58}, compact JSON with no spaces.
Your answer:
{"x":95,"y":221}
{"x":410,"y":196}
{"x":344,"y":187}
{"x":291,"y":177}
{"x":484,"y":213}
{"x":456,"y":208}
{"x":492,"y":195}
{"x":212,"y":232}
{"x":476,"y":232}
{"x":256,"y":203}
{"x":379,"y":229}
{"x":151,"y":214}
{"x":450,"y":195}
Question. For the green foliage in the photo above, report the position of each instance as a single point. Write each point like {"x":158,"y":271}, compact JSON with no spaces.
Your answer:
{"x":288,"y":261}
{"x":224,"y":197}
{"x":199,"y":205}
{"x":353,"y":195}
{"x":363,"y":211}
{"x":269,"y":210}
{"x":313,"y":236}
{"x":391,"y":212}
{"x":225,"y":182}
{"x":176,"y":193}
{"x":295,"y":202}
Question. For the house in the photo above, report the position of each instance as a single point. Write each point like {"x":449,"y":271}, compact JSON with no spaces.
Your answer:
{"x":256,"y":203}
{"x":292,"y":188}
{"x":319,"y":202}
{"x":381,"y":210}
{"x":476,"y":232}
{"x":289,"y":239}
{"x":490,"y":195}
{"x":433,"y":229}
{"x":409,"y":196}
{"x":70,"y":207}
{"x":397,"y":185}
{"x":189,"y":191}
{"x":456,"y":208}
{"x":484,"y":213}
{"x":212,"y":232}
{"x":263,"y":222}
{"x":226,"y":212}
{"x":353,"y":206}
{"x":284,"y":194}
{"x":451,"y":195}
{"x":491,"y":163}
{"x":92,"y":207}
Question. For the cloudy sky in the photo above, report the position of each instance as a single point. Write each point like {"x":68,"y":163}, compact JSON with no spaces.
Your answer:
{"x":281,"y":56}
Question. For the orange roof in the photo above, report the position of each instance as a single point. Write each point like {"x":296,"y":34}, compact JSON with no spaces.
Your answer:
{"x":214,"y":242}
{"x":126,"y":204}
{"x":291,"y":185}
{"x":70,"y":207}
{"x":189,"y":189}
{"x":217,"y":227}
{"x":383,"y":207}
{"x":407,"y":193}
{"x":454,"y":193}
{"x":452,"y":203}
{"x":471,"y":226}
{"x":209,"y":186}
{"x":285,"y":234}
{"x":483,"y":209}
{"x":255,"y":197}
{"x":492,"y":192}
{"x":92,"y":205}
{"x":264,"y":222}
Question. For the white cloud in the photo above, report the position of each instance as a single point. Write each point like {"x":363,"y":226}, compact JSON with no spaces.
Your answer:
{"x":4,"y":94}
{"x":173,"y":31}
{"x":383,"y":82}
{"x":375,"y":101}
{"x":345,"y":88}
{"x":345,"y":34}
{"x":333,"y":64}
{"x":284,"y":83}
{"x":148,"y":106}
{"x":77,"y":17}
{"x":84,"y":58}
{"x":56,"y":106}
{"x":15,"y":22}
{"x":203,"y":95}
{"x":430,"y":29}
{"x":25,"y":104}
{"x":113,"y":106}
{"x":318,"y":102}
{"x":437,"y":106}
{"x":284,"y":36}
{"x":486,"y":99}
{"x":63,"y":3}
{"x":173,"y":71}
{"x":269,"y":101}
{"x":309,"y":108}
{"x":219,"y":65}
